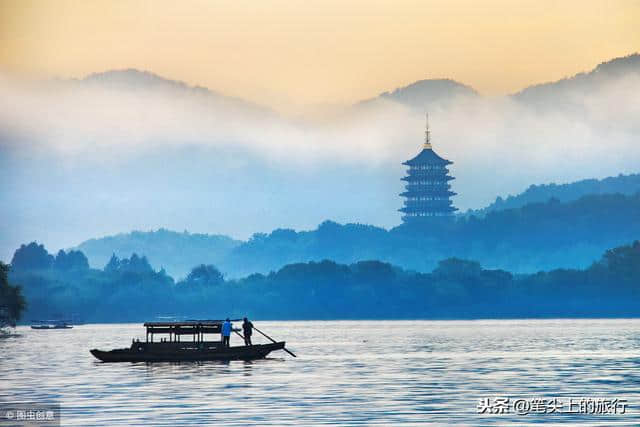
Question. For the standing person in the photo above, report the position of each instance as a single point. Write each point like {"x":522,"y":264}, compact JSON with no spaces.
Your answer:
{"x":226,"y":332}
{"x":247,"y":329}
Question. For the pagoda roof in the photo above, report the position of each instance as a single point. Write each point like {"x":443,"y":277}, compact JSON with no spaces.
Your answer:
{"x":427,"y":156}
{"x":419,"y":177}
{"x":418,"y":193}
{"x":416,"y":209}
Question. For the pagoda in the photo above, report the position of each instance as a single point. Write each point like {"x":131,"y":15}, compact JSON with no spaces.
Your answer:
{"x":428,"y":193}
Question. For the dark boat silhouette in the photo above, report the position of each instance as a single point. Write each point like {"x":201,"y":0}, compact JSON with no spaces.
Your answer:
{"x":194,"y":348}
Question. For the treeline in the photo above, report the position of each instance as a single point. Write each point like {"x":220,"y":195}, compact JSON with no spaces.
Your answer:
{"x":130,"y":289}
{"x":35,"y":257}
{"x":12,"y":303}
{"x":124,"y":289}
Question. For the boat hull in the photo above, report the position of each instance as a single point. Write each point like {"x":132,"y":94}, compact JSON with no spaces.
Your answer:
{"x":252,"y":352}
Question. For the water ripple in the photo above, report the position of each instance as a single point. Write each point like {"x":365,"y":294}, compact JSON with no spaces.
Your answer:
{"x":347,"y":373}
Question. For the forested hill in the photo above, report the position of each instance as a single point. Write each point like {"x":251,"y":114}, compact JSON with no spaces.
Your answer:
{"x":129,"y":290}
{"x":175,"y":252}
{"x":538,"y":236}
{"x":623,"y":184}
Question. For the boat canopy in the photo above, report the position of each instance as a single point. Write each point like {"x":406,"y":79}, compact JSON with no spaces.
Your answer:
{"x":183,"y":328}
{"x":196,"y":328}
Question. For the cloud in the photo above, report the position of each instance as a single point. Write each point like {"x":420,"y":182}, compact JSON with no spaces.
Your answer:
{"x":81,"y":160}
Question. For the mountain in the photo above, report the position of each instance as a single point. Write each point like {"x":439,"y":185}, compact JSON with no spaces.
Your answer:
{"x":144,"y":82}
{"x":418,"y":96}
{"x":421,"y":95}
{"x":428,"y":93}
{"x":564,"y":91}
{"x":176,"y":252}
{"x":527,"y":239}
{"x":133,"y":79}
{"x":622,"y":184}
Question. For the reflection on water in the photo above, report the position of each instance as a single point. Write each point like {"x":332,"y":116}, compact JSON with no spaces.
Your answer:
{"x":383,"y":372}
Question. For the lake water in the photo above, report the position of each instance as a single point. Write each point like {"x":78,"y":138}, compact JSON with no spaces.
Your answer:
{"x":347,"y":372}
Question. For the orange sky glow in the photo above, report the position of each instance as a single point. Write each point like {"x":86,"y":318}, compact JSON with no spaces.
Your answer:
{"x":295,"y":53}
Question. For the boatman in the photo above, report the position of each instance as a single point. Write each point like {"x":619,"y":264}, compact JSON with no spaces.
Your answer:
{"x":247,"y":330}
{"x":226,"y":332}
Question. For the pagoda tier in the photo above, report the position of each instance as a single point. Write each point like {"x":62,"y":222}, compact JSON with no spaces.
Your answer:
{"x":427,"y":178}
{"x":428,"y":193}
{"x":420,"y":205}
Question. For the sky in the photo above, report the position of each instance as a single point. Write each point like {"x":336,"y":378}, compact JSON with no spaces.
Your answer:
{"x":291,"y":55}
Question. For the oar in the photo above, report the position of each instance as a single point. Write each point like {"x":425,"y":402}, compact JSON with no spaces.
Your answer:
{"x":273,"y":341}
{"x":239,"y":334}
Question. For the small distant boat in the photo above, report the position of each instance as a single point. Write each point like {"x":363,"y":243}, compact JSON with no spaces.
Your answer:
{"x":51,"y":324}
{"x":194,"y":348}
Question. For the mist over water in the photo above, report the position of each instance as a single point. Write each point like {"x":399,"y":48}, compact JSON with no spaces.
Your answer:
{"x":82,"y":159}
{"x":347,"y":372}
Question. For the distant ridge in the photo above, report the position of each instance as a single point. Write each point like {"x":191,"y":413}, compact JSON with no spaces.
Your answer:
{"x":135,"y":81}
{"x":564,"y":225}
{"x":424,"y":93}
{"x":581,"y":82}
{"x":418,"y":96}
{"x":174,"y":251}
{"x":621,"y":184}
{"x":429,"y":92}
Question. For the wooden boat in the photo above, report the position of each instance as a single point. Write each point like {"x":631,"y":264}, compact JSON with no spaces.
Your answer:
{"x":197,"y":348}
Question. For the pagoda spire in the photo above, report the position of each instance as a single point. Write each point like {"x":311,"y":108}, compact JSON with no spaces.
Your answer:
{"x":427,"y":135}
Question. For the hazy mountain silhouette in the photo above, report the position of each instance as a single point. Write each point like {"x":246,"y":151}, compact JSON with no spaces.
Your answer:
{"x":176,"y":252}
{"x":536,"y":236}
{"x":417,"y":95}
{"x":621,"y":184}
{"x":132,"y":80}
{"x":563,"y":91}
{"x":424,"y":93}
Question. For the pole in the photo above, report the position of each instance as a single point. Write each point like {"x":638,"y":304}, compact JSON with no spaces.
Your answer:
{"x":273,"y":341}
